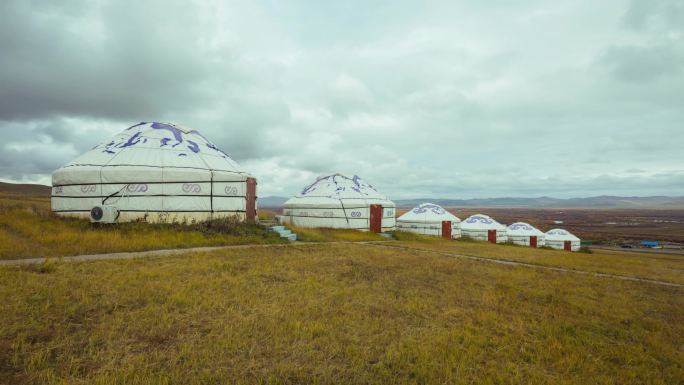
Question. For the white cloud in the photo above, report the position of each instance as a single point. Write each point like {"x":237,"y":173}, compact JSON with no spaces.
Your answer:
{"x":449,"y":100}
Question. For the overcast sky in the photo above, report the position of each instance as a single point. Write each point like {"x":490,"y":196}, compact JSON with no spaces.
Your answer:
{"x":448,"y":99}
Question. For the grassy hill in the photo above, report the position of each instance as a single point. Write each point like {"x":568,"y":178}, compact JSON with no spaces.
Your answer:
{"x":25,"y":189}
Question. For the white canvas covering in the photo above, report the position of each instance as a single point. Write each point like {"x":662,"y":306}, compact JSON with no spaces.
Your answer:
{"x":556,"y":238}
{"x":477,"y":227}
{"x":153,"y":170}
{"x":427,"y":219}
{"x":520,"y":233}
{"x":337,"y":201}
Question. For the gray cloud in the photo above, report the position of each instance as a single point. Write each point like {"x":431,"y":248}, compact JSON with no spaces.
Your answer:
{"x":452,"y":99}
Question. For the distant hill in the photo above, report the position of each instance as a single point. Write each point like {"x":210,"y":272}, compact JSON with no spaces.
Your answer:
{"x":26,"y":189}
{"x":599,"y":202}
{"x":602,"y":202}
{"x":272,"y":201}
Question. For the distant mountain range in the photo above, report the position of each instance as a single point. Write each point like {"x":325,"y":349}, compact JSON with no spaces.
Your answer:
{"x":26,"y":189}
{"x":599,"y":202}
{"x":602,"y":202}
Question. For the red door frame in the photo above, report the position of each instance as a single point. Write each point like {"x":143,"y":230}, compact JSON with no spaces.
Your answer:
{"x":375,"y":218}
{"x":251,"y":197}
{"x":533,"y":241}
{"x":446,"y":229}
{"x":491,"y":236}
{"x":567,"y":245}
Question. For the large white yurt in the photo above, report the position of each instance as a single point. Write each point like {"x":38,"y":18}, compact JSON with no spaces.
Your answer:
{"x":524,"y":234}
{"x":337,"y":201}
{"x":484,"y":228}
{"x":562,"y":240}
{"x":430,"y":219}
{"x":156,"y":171}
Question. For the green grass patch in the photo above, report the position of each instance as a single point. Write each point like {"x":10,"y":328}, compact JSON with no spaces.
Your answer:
{"x":413,"y":237}
{"x":332,"y":235}
{"x":29,"y":229}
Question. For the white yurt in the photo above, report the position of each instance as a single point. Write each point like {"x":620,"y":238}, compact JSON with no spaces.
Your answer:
{"x":524,"y":234}
{"x":337,"y":201}
{"x":156,"y":171}
{"x":562,"y":240}
{"x":430,"y":219}
{"x":484,"y":228}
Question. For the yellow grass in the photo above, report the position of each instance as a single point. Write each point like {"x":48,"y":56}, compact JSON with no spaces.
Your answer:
{"x":332,"y":314}
{"x":29,"y":229}
{"x":331,"y":235}
{"x":642,"y":265}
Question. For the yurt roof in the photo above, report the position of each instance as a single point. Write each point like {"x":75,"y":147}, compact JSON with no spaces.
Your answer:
{"x":481,"y":221}
{"x":338,"y":186}
{"x":162,"y":145}
{"x":560,"y":235}
{"x":428,"y":212}
{"x":522,"y":228}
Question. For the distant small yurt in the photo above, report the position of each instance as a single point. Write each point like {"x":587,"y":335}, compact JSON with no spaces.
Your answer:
{"x":524,"y":234}
{"x":430,"y":219}
{"x":337,"y":201}
{"x":156,"y":171}
{"x":484,"y":228}
{"x":562,"y":240}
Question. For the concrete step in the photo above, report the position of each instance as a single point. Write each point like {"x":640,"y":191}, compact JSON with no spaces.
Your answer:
{"x":277,"y":228}
{"x":292,"y":237}
{"x":284,"y":233}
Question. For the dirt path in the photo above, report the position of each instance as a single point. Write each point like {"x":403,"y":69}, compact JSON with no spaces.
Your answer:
{"x":384,"y":244}
{"x":531,"y":265}
{"x":157,"y":253}
{"x":133,"y":254}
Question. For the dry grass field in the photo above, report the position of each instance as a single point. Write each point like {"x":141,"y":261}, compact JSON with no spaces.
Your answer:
{"x":332,"y":313}
{"x":662,"y":267}
{"x":325,"y":313}
{"x":28,"y":229}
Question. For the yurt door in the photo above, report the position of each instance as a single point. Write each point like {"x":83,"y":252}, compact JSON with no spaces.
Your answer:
{"x":567,"y":245}
{"x":446,"y":229}
{"x":491,"y":236}
{"x":376,"y":218}
{"x":250,"y":207}
{"x":533,"y":241}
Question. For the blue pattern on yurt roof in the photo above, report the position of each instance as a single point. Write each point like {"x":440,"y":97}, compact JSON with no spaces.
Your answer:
{"x":429,"y":206}
{"x":178,"y":136}
{"x":358,"y":184}
{"x":520,"y":226}
{"x":479,"y":218}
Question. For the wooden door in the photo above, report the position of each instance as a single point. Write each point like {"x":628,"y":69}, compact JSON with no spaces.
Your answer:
{"x":567,"y":245}
{"x":533,"y":241}
{"x":446,"y":229}
{"x":251,"y":197}
{"x":376,"y":218}
{"x":491,"y":236}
